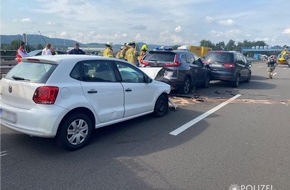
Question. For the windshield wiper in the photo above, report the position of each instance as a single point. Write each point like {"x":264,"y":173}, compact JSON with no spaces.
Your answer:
{"x":19,"y":78}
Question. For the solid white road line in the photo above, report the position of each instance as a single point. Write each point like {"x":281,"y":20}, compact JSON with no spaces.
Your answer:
{"x":201,"y":117}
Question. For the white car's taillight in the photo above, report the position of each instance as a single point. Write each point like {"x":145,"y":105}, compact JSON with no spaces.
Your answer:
{"x":45,"y":94}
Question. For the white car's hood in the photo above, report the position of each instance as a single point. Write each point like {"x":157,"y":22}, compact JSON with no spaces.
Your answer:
{"x":151,"y":71}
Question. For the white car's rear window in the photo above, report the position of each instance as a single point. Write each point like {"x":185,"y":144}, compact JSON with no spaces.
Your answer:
{"x":32,"y":72}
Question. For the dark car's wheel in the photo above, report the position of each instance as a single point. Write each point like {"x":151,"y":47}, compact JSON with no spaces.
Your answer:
{"x":186,"y":87}
{"x":206,"y":81}
{"x":75,"y":131}
{"x":236,"y":83}
{"x":161,"y":105}
{"x":249,"y":78}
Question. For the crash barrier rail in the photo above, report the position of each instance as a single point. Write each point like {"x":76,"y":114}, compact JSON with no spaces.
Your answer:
{"x":7,"y":55}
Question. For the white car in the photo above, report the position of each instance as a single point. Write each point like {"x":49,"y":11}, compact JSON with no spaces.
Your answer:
{"x":67,"y":96}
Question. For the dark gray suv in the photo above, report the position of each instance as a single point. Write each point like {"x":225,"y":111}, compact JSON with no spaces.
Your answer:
{"x":183,"y":70}
{"x":228,"y":66}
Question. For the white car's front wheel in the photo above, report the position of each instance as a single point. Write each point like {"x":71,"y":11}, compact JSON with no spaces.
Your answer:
{"x":75,"y":131}
{"x":161,"y":105}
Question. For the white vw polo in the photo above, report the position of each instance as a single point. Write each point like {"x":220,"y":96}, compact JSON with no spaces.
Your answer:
{"x":67,"y":96}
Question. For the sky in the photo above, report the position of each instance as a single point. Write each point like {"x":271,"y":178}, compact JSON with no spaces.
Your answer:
{"x":166,"y":22}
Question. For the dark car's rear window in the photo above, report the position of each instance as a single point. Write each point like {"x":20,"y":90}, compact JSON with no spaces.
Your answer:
{"x":32,"y":72}
{"x":160,"y":56}
{"x":224,"y":57}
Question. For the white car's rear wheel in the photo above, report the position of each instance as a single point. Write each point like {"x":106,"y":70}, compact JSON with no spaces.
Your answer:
{"x":75,"y":131}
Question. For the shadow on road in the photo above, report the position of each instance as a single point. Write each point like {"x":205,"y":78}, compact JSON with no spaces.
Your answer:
{"x":112,"y":160}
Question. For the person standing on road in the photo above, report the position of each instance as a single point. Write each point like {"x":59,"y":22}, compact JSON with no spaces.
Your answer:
{"x":47,"y":50}
{"x":21,"y":52}
{"x":131,"y":54}
{"x":53,"y":51}
{"x":123,"y":51}
{"x":271,"y":63}
{"x":143,"y":52}
{"x":76,"y":50}
{"x":119,"y":54}
{"x":108,"y":52}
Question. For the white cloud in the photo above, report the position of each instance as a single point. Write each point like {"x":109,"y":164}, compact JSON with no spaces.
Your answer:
{"x":167,"y":36}
{"x":286,"y":31}
{"x":26,"y":20}
{"x":227,"y":22}
{"x":226,"y":35}
{"x":209,"y":19}
{"x":63,"y":34}
{"x":178,"y":29}
{"x":102,"y":21}
{"x":50,"y":23}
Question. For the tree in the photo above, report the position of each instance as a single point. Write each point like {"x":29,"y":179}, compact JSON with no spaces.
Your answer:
{"x":239,"y":46}
{"x":207,"y":43}
{"x":220,"y":46}
{"x":15,"y":44}
{"x":231,"y":45}
{"x":260,"y":43}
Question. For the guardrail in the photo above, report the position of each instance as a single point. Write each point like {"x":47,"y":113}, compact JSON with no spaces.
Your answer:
{"x":6,"y":65}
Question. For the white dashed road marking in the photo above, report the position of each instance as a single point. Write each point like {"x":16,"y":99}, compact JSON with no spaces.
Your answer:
{"x":201,"y":117}
{"x":3,"y":153}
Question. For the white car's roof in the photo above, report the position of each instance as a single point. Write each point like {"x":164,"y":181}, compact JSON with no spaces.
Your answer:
{"x":63,"y":57}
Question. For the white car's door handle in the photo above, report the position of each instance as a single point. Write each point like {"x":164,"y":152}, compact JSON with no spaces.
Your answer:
{"x":128,"y":90}
{"x":92,"y":91}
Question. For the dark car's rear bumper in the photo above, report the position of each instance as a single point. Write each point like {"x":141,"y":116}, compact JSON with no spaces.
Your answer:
{"x":222,"y":75}
{"x":173,"y":82}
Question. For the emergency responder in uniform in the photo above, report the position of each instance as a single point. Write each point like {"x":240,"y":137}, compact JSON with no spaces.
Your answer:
{"x":285,"y":53}
{"x":123,"y":51}
{"x":108,"y":52}
{"x":143,"y":52}
{"x":131,"y":54}
{"x":118,"y":55}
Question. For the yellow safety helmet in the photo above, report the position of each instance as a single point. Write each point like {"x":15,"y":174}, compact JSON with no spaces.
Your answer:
{"x":144,"y":48}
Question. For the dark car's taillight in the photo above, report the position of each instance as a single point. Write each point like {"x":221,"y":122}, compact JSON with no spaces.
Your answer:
{"x":45,"y":94}
{"x":229,"y":65}
{"x":175,"y":63}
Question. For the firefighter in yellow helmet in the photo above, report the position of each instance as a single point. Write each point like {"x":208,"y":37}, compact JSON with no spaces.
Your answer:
{"x":131,"y":54}
{"x":108,"y":52}
{"x":123,"y":51}
{"x":119,"y":54}
{"x":143,"y":52}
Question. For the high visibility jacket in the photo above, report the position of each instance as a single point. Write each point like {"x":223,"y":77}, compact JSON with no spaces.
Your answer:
{"x":131,"y":55}
{"x":108,"y":52}
{"x":123,"y":52}
{"x":142,"y":54}
{"x":20,"y":53}
{"x":284,"y":52}
{"x":119,"y":54}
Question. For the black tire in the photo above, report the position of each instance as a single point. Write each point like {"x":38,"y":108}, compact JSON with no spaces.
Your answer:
{"x":236,"y":83}
{"x":161,"y":106}
{"x":206,"y":82}
{"x":75,"y":131}
{"x":186,"y":87}
{"x":249,"y":78}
